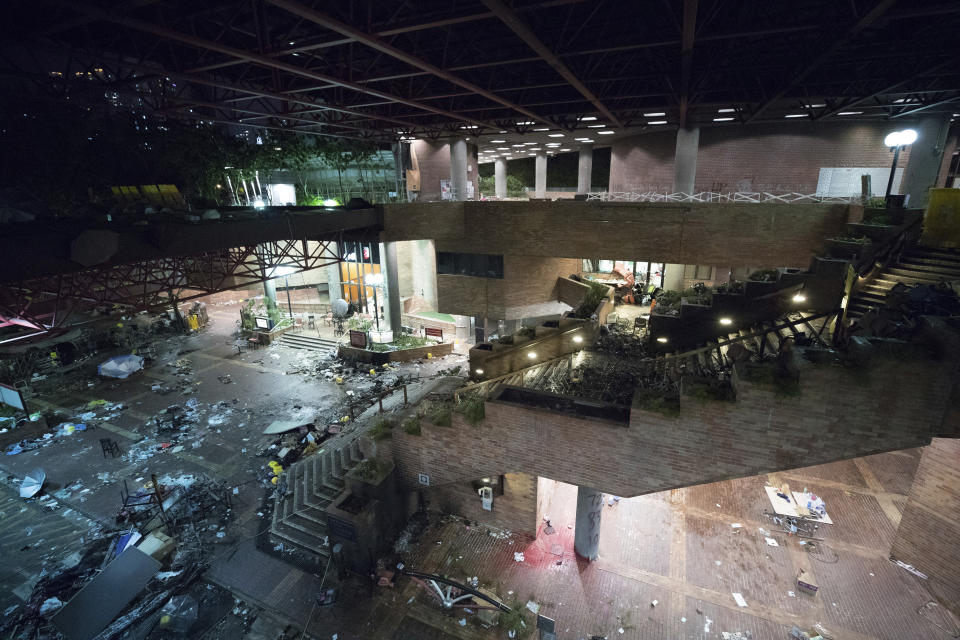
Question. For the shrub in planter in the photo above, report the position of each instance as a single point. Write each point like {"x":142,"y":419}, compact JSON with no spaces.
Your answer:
{"x":412,"y":426}
{"x":382,"y":429}
{"x":764,"y":275}
{"x":440,"y":414}
{"x":472,"y":408}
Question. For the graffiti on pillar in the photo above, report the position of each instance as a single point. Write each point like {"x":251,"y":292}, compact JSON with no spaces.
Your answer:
{"x":596,"y":511}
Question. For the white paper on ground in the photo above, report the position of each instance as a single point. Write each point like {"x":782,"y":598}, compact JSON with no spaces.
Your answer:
{"x":736,"y":525}
{"x":772,"y":542}
{"x":740,"y":601}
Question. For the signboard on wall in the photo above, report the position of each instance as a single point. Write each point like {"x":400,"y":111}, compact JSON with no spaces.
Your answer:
{"x":11,"y":397}
{"x":844,"y":182}
{"x":424,"y":479}
{"x":358,"y":339}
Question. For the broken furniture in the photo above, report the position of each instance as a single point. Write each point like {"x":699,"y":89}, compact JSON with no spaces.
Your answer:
{"x":109,"y":445}
{"x":790,"y":504}
{"x":806,"y":583}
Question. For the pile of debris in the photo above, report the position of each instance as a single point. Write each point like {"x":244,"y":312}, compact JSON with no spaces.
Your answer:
{"x":899,"y":315}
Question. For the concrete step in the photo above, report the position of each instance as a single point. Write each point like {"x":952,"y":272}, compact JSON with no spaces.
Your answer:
{"x":302,"y":341}
{"x":301,"y":539}
{"x":925,"y":271}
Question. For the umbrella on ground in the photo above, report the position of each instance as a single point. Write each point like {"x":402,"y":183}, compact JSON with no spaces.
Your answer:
{"x":120,"y":366}
{"x":32,"y":482}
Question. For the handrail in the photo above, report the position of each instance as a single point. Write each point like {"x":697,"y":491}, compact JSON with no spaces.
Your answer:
{"x":473,"y":387}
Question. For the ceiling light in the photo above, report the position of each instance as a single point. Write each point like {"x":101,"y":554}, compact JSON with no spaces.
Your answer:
{"x":796,"y":115}
{"x":564,"y":149}
{"x":535,"y":149}
{"x":503,"y":148}
{"x":815,"y":106}
{"x":596,"y":126}
{"x":849,"y":113}
{"x":531,"y":354}
{"x":726,"y":321}
{"x":578,"y":339}
{"x":554,"y":135}
{"x":553,"y":144}
{"x":726,"y":110}
{"x":588,"y":118}
{"x":527,"y":144}
{"x":543,"y":129}
{"x":516,"y":145}
{"x":501,"y":131}
{"x":606,"y":133}
{"x":520,"y":124}
{"x":799,"y":298}
{"x":662,"y":340}
{"x":654,"y":115}
{"x":497,"y":141}
{"x":657,"y":122}
{"x":722,"y":119}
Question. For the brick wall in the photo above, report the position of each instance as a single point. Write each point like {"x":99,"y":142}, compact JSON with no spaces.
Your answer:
{"x":930,"y":528}
{"x":526,"y":281}
{"x":896,"y":405}
{"x":733,"y":235}
{"x":515,"y":510}
{"x":777,"y":158}
{"x":434,"y":159}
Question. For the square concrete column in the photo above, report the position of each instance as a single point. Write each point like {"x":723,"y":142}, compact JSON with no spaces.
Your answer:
{"x":585,"y":169}
{"x":458,"y":168}
{"x":685,"y":160}
{"x":391,"y":284}
{"x":540,"y":188}
{"x":926,"y":155}
{"x":500,"y":177}
{"x":586,"y":534}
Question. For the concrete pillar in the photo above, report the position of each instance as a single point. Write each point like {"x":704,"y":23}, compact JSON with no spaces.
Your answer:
{"x":540,"y":188}
{"x":685,"y":160}
{"x":672,"y":277}
{"x":458,"y":168}
{"x":586,"y":538}
{"x":500,"y":177}
{"x":926,"y":154}
{"x":585,"y":169}
{"x":333,"y":276}
{"x":270,"y":290}
{"x":391,"y":284}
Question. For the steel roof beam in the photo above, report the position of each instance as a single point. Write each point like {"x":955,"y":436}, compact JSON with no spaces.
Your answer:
{"x":200,"y":43}
{"x":512,"y":20}
{"x":376,"y":43}
{"x":872,"y":16}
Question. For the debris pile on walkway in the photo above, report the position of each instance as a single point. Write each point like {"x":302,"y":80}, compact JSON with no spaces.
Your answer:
{"x":899,"y":315}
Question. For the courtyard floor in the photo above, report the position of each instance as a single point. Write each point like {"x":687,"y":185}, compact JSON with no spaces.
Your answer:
{"x":677,"y":548}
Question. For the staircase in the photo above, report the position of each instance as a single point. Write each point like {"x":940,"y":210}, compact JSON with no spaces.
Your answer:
{"x":917,"y":265}
{"x":311,"y":343}
{"x":305,"y":490}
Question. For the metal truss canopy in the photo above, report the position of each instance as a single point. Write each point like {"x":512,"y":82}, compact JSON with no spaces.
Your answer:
{"x":47,"y":303}
{"x":385,"y":68}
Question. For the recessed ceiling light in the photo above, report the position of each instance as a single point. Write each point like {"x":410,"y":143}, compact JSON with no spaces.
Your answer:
{"x":795,"y":115}
{"x":849,"y":113}
{"x":582,"y":139}
{"x":587,"y":118}
{"x":653,"y":115}
{"x":531,"y":154}
{"x":543,"y":129}
{"x":501,"y":131}
{"x":520,"y":124}
{"x":503,"y":148}
{"x":725,"y":110}
{"x":815,"y":106}
{"x":564,"y":149}
{"x":529,"y":143}
{"x":554,"y":135}
{"x":535,"y":149}
{"x":657,"y":122}
{"x":606,"y":133}
{"x":516,"y":145}
{"x":553,"y":144}
{"x":596,"y":126}
{"x":722,"y":119}
{"x":497,"y":141}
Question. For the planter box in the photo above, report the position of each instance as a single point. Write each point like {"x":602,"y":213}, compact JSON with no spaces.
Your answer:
{"x":402,"y":355}
{"x":874,"y":231}
{"x":844,"y":249}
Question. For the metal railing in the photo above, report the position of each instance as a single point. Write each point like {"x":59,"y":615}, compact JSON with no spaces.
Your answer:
{"x":713,"y":196}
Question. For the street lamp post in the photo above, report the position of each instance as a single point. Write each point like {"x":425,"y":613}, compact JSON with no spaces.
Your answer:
{"x":896,"y":140}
